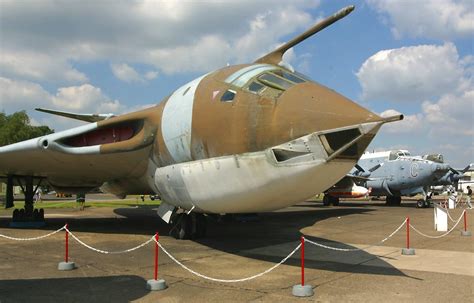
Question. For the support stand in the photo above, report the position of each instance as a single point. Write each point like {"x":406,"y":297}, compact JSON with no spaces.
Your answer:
{"x":408,"y":251}
{"x":156,"y":284}
{"x":66,"y":265}
{"x":301,"y":290}
{"x":465,"y":232}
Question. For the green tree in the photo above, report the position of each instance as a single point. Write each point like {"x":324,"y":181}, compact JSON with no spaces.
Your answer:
{"x":16,"y":127}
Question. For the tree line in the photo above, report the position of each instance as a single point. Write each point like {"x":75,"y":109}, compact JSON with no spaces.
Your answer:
{"x":16,"y":127}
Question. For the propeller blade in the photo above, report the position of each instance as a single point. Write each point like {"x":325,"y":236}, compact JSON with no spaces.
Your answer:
{"x":466,"y":168}
{"x":376,"y":167}
{"x":359,"y":168}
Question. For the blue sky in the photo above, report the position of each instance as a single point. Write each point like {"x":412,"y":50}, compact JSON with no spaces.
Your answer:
{"x":413,"y":57}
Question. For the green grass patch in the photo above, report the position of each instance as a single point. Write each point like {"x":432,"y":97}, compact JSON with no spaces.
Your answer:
{"x":106,"y":203}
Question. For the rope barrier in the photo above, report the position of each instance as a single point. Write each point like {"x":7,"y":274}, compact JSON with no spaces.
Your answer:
{"x":230,"y":280}
{"x":108,"y":252}
{"x":34,"y":238}
{"x":449,"y":216}
{"x":358,"y":249}
{"x":439,"y":236}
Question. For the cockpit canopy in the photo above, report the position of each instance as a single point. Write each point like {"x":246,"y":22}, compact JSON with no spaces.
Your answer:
{"x":395,"y":154}
{"x":263,"y":79}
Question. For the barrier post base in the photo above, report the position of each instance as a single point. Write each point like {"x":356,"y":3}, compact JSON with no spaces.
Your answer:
{"x":156,"y":284}
{"x":466,"y":233}
{"x":302,"y":290}
{"x":66,"y":265}
{"x":408,"y":251}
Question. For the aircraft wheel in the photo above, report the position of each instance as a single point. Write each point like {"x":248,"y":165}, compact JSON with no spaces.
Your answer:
{"x":41,"y":214}
{"x":335,"y":201}
{"x":420,"y":203}
{"x":15,"y":215}
{"x":397,"y":201}
{"x":326,"y":200}
{"x":201,"y":225}
{"x":184,"y":227}
{"x":36,"y":215}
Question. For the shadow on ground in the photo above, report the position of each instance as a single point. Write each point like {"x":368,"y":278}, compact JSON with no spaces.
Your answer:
{"x":237,"y":237}
{"x":87,"y":289}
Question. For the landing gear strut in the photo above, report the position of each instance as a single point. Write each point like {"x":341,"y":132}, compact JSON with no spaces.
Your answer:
{"x":393,"y":201}
{"x":190,"y":226}
{"x":27,"y":216}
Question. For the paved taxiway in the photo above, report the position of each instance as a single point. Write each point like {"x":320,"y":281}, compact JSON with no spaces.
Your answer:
{"x":441,"y":270}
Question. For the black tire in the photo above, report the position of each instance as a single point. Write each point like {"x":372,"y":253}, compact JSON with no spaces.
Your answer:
{"x":201,"y":226}
{"x":36,"y":215}
{"x":335,"y":201}
{"x":184,"y":227}
{"x":152,"y":198}
{"x":41,"y":214}
{"x":397,"y":201}
{"x":420,"y":203}
{"x":15,"y":215}
{"x":326,"y":200}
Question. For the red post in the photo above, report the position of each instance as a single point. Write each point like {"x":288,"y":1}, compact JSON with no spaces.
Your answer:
{"x":67,"y":244}
{"x":465,"y":221}
{"x":408,"y":232}
{"x":302,"y":261}
{"x":157,"y":238}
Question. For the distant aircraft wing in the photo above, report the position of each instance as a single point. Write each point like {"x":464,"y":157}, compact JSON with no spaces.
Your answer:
{"x":82,"y":117}
{"x":85,"y":156}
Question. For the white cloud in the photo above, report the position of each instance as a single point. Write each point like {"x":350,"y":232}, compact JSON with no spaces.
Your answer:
{"x":15,"y":95}
{"x":170,"y":36}
{"x":436,"y":86}
{"x":409,"y":124}
{"x":126,"y":73}
{"x":24,"y":95}
{"x":38,"y":66}
{"x":443,"y":20}
{"x":413,"y":73}
{"x":84,"y":98}
{"x":151,"y":75}
{"x":44,"y":45}
{"x":452,"y":114}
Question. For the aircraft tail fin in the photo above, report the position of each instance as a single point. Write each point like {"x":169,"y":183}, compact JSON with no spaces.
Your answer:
{"x":82,"y":117}
{"x":276,"y":56}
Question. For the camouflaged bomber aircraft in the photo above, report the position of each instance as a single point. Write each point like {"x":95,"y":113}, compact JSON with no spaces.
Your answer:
{"x":245,"y":138}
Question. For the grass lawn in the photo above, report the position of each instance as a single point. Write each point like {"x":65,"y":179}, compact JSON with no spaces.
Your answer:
{"x":129,"y":202}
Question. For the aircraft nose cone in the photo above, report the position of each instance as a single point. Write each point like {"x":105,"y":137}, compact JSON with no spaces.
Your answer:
{"x":309,"y":107}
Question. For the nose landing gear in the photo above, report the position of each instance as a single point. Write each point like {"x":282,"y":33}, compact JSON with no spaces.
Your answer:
{"x":188,"y":226}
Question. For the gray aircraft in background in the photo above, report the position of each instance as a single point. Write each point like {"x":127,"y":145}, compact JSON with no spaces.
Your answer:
{"x":393,"y":174}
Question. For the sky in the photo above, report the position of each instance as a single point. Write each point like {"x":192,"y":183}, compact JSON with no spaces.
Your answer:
{"x":410,"y":57}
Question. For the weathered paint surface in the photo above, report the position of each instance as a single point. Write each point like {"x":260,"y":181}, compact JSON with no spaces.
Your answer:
{"x":177,"y":119}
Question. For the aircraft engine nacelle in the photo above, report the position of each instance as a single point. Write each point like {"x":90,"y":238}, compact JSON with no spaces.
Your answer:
{"x":354,"y":191}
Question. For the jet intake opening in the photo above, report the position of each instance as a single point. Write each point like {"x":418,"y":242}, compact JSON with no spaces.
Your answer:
{"x":335,"y":141}
{"x":110,"y":134}
{"x":282,"y":155}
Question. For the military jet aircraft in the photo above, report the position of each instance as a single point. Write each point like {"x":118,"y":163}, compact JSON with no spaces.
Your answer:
{"x":392,"y":174}
{"x":245,"y":138}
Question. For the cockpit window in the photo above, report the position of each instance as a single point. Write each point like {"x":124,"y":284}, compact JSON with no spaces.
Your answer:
{"x":274,"y":81}
{"x":228,"y":96}
{"x":289,"y":76}
{"x":255,"y":87}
